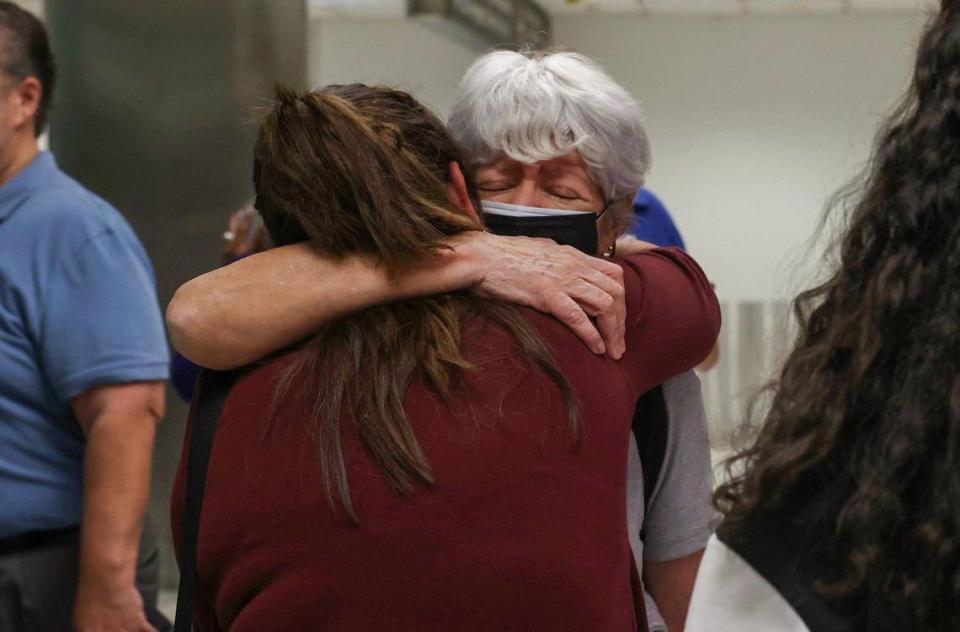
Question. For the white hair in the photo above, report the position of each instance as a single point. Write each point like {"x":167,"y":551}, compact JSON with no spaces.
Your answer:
{"x":538,"y":106}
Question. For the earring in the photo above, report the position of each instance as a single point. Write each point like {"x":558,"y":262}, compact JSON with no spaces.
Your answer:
{"x":610,"y":252}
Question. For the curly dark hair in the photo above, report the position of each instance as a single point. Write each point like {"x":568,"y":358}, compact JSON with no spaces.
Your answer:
{"x":869,"y":397}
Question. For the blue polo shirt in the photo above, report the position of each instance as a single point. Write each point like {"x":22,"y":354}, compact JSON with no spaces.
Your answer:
{"x":652,"y":221}
{"x":78,"y":309}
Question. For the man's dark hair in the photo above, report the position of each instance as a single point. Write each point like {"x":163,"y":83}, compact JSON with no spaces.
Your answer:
{"x":27,"y":54}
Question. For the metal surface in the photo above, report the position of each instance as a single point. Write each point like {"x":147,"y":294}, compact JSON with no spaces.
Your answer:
{"x":736,"y":7}
{"x":497,"y":22}
{"x":153,"y":112}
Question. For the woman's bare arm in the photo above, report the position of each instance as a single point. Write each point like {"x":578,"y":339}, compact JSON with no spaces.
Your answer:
{"x":242,"y":312}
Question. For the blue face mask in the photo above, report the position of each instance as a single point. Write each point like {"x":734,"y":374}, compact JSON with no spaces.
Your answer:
{"x":568,"y":228}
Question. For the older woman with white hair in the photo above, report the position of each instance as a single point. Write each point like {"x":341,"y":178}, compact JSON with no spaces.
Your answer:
{"x":556,"y":149}
{"x":547,"y":134}
{"x":552,"y":130}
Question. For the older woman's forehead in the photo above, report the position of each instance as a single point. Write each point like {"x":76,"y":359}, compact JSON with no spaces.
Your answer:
{"x":571,"y":162}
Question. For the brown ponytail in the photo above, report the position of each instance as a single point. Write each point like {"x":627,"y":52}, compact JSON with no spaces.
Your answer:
{"x":361,"y":170}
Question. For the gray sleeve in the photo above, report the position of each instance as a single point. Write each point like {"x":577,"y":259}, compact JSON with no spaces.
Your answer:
{"x":680,"y":517}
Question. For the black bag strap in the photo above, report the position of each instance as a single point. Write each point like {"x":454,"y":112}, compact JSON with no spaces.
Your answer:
{"x":651,"y":423}
{"x":212,"y":391}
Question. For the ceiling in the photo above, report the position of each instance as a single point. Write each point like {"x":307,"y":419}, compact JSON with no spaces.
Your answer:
{"x":652,"y":7}
{"x":733,"y":7}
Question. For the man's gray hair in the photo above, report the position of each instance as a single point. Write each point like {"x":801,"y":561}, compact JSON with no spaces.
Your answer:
{"x":538,"y":106}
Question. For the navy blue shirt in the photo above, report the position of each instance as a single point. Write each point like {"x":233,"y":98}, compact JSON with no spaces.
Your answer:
{"x":78,"y":309}
{"x":652,"y":222}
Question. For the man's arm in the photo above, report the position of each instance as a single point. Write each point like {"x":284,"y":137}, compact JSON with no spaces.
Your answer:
{"x":119,"y":422}
{"x":239,"y":313}
{"x":670,"y":583}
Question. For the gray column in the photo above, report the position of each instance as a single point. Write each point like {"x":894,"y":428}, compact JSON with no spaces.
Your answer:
{"x":153,"y":112}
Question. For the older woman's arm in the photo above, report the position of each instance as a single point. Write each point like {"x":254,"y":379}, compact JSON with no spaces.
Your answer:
{"x":239,"y":313}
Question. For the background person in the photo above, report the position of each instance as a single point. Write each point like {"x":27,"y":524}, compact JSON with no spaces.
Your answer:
{"x":652,"y":221}
{"x":245,"y":235}
{"x":82,"y":363}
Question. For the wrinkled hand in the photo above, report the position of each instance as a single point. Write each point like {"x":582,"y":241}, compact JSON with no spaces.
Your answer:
{"x":557,"y":280}
{"x":102,"y":608}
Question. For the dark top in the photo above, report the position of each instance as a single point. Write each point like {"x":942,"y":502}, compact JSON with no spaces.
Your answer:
{"x":520,"y":531}
{"x":183,"y":376}
{"x":793,"y":546}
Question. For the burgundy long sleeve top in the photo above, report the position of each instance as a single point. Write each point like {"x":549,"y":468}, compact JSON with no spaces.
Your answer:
{"x":521,"y":530}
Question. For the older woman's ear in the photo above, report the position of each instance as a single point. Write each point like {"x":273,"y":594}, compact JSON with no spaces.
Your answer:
{"x":459,"y":195}
{"x":615,"y":221}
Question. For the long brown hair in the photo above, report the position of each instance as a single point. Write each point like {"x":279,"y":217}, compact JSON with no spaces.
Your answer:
{"x":365,"y":170}
{"x":867,"y":406}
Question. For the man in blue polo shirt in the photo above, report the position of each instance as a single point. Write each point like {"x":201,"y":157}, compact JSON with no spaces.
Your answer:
{"x":82,"y":363}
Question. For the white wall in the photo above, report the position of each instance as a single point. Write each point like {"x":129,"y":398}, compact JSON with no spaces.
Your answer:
{"x":407,"y":54}
{"x":754,"y":122}
{"x":38,"y":8}
{"x":33,"y":6}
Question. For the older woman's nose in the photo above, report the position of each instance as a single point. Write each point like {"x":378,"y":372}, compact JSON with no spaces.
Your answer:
{"x":527,"y":192}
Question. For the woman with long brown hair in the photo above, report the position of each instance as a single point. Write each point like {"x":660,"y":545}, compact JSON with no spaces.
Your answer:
{"x":845,"y":515}
{"x":448,"y":462}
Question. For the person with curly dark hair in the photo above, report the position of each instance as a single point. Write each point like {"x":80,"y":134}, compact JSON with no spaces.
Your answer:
{"x":846,"y":512}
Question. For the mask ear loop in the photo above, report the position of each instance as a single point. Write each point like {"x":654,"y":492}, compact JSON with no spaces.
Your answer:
{"x":605,"y":209}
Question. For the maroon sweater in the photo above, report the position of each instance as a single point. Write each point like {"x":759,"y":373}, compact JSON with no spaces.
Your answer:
{"x":520,"y":531}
